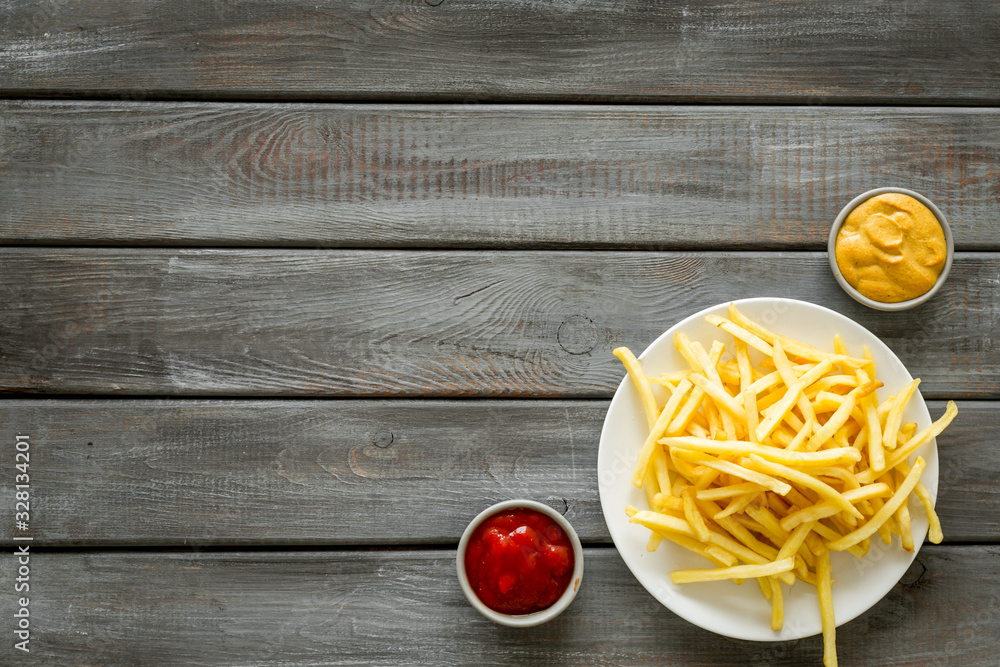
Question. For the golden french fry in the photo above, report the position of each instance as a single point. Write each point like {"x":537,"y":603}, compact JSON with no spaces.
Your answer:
{"x":693,"y":516}
{"x":639,"y":381}
{"x":776,"y":454}
{"x":663,"y":502}
{"x":824,"y":589}
{"x":777,"y":605}
{"x":739,"y":333}
{"x":735,"y":572}
{"x":895,"y":416}
{"x":902,"y":517}
{"x":794,"y":347}
{"x":717,"y":555}
{"x":729,"y":373}
{"x":934,"y":533}
{"x":661,"y":469}
{"x":753,"y":419}
{"x":743,"y":365}
{"x":721,"y":492}
{"x":764,"y":583}
{"x":650,"y":487}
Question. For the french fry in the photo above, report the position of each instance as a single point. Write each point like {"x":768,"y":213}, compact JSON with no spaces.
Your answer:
{"x":796,"y":348}
{"x":895,"y":417}
{"x":807,"y":459}
{"x":902,"y":517}
{"x":667,"y":503}
{"x":693,"y":516}
{"x":753,"y":419}
{"x":650,"y":487}
{"x":764,"y":583}
{"x":777,"y":605}
{"x":739,"y":333}
{"x":639,"y":381}
{"x":876,"y":453}
{"x":661,"y":469}
{"x":717,"y":555}
{"x":735,"y":572}
{"x":721,"y":492}
{"x":824,"y":589}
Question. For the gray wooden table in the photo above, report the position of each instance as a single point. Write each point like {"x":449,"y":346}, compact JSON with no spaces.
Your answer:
{"x":289,"y":292}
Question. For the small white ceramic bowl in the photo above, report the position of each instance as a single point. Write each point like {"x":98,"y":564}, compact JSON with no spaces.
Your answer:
{"x":538,"y":617}
{"x":831,"y":248}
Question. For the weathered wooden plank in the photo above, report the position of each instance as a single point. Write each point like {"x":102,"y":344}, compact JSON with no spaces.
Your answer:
{"x":480,"y":176}
{"x":921,"y":51}
{"x":299,"y":472}
{"x":405,"y":608}
{"x":398,"y":323}
{"x":251,"y":473}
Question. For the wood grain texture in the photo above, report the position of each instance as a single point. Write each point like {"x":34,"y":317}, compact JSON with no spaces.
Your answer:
{"x":921,"y":51}
{"x":480,"y":176}
{"x":406,"y":608}
{"x":427,"y":324}
{"x":266,"y":473}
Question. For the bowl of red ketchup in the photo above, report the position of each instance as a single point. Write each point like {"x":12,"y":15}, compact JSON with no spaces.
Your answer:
{"x":520,"y":563}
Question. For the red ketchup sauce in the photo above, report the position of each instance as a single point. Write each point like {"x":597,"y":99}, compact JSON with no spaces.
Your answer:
{"x":519,"y":561}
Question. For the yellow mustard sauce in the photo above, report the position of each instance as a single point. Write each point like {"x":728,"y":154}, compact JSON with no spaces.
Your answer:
{"x":891,"y":248}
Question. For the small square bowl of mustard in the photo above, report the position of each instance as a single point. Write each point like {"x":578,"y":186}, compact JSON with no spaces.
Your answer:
{"x":891,"y":249}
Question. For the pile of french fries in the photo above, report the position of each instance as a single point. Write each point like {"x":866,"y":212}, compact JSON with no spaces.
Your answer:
{"x":764,"y":470}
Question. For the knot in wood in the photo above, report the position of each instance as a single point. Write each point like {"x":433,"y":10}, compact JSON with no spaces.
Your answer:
{"x":577,"y":335}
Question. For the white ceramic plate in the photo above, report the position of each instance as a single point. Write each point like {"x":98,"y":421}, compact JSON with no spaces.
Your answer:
{"x":723,"y":607}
